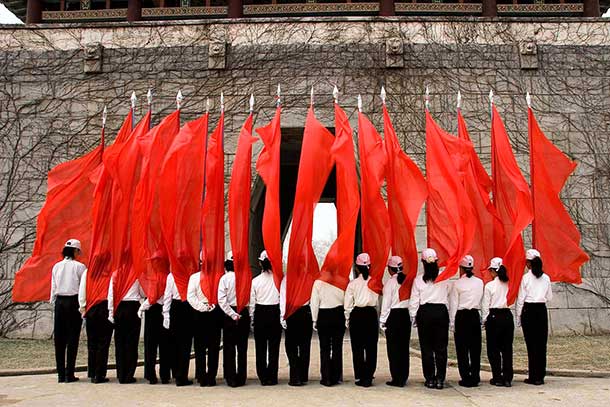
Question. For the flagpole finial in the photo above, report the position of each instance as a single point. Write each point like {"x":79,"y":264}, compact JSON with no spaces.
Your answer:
{"x":179,"y":99}
{"x":251,"y":103}
{"x":528,"y":99}
{"x":279,"y":93}
{"x":360,"y":103}
{"x":104,"y":116}
{"x":222,"y":101}
{"x":383,"y":95}
{"x":459,"y":100}
{"x":311,"y":96}
{"x":336,"y":94}
{"x":134,"y":99}
{"x":427,"y":98}
{"x":149,"y":97}
{"x":207,"y":105}
{"x":491,"y":96}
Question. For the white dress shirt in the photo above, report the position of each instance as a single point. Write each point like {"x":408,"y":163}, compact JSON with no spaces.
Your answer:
{"x":535,"y":290}
{"x":82,"y":292}
{"x":494,"y":296}
{"x":171,"y":293}
{"x":65,"y":278}
{"x":358,"y":294}
{"x":391,"y":298}
{"x":263,"y":291}
{"x":427,"y":293}
{"x":135,"y":293}
{"x":226,"y":294}
{"x":195,"y":295}
{"x":325,"y":296}
{"x":466,"y":293}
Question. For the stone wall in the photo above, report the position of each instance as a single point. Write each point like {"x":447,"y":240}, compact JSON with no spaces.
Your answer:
{"x":55,"y":80}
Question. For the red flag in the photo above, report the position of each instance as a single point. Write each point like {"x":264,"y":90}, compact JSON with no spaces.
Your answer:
{"x":150,"y":259}
{"x":65,"y":214}
{"x":512,"y":201}
{"x":340,"y":256}
{"x":554,"y":232}
{"x":478,"y":186}
{"x":407,"y":192}
{"x":375,"y":218}
{"x":213,"y":215}
{"x":449,"y":211}
{"x":268,"y":167}
{"x":181,"y":180}
{"x":99,"y":270}
{"x":315,"y":165}
{"x":239,"y":213}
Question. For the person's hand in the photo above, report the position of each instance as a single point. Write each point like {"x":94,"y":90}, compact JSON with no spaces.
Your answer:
{"x":452,"y":327}
{"x":111,"y":319}
{"x":252,"y":325}
{"x":141,"y":312}
{"x":347,"y":323}
{"x":166,"y":323}
{"x":315,"y":326}
{"x":382,"y":327}
{"x":82,"y":311}
{"x":236,"y":317}
{"x":518,"y":322}
{"x":414,"y":322}
{"x":283,"y":324}
{"x":212,"y":307}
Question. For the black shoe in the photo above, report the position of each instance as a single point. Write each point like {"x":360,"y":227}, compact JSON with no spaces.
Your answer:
{"x":365,"y":383}
{"x":440,"y":385}
{"x":72,"y":379}
{"x":100,"y":380}
{"x":507,"y":384}
{"x":61,"y":380}
{"x":496,"y":382}
{"x":128,"y":381}
{"x":165,"y":381}
{"x":297,"y":384}
{"x":183,"y":383}
{"x":429,"y":384}
{"x":154,"y":380}
{"x":395,"y":384}
{"x":359,"y":383}
{"x":211,"y":382}
{"x":326,"y":383}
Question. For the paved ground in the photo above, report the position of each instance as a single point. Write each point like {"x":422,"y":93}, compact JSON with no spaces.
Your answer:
{"x":45,"y":391}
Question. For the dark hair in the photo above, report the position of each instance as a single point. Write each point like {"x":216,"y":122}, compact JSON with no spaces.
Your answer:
{"x":400,"y":276}
{"x":430,"y":271}
{"x":69,"y":252}
{"x":502,"y":274}
{"x":266,"y":265}
{"x":536,"y":267}
{"x":229,"y":265}
{"x":468,"y":271}
{"x":364,"y":270}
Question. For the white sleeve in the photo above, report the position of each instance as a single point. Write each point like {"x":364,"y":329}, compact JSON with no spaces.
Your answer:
{"x":314,"y":302}
{"x":191,"y":293}
{"x":167,"y":297}
{"x":348,"y":301}
{"x":454,"y":299}
{"x":386,"y":302}
{"x":111,"y":299}
{"x":53,"y":293}
{"x":82,"y":291}
{"x":485,"y":304}
{"x":520,"y":299}
{"x":414,"y":300}
{"x":222,"y":298}
{"x":549,"y":292}
{"x":282,"y":299}
{"x":252,"y":303}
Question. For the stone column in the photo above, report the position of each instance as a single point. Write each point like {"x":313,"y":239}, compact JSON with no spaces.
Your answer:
{"x":490,"y":8}
{"x":386,"y":8}
{"x":590,"y":8}
{"x":34,"y":12}
{"x":235,"y":9}
{"x":134,"y":10}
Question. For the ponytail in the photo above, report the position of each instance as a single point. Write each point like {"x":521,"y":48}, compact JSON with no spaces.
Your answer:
{"x":430,"y":271}
{"x":229,"y":265}
{"x":468,"y":272}
{"x":69,"y":252}
{"x":502,"y":274}
{"x":536,"y":267}
{"x":401,"y":277}
{"x":362,"y":270}
{"x":266,"y":265}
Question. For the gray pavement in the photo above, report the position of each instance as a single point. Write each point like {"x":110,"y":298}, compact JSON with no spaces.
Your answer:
{"x":43,"y":390}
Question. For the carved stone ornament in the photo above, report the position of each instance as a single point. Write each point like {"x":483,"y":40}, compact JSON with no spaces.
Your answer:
{"x":93,"y":58}
{"x":528,"y":55}
{"x":394,"y":53}
{"x":216,"y":55}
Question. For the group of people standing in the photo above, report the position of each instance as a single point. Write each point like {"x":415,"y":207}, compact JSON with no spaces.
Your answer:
{"x":173,"y":325}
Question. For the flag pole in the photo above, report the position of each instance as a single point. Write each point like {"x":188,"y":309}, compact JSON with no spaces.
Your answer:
{"x":103,"y":138}
{"x":205,"y":162}
{"x":311,"y":98}
{"x":382,"y":94}
{"x":530,"y":116}
{"x":494,"y":164}
{"x":427,"y":109}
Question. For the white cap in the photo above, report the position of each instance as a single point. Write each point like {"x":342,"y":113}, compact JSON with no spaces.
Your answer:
{"x":263,"y":255}
{"x":495,"y":263}
{"x":429,"y":255}
{"x":73,"y":243}
{"x":395,"y":262}
{"x":531,"y":254}
{"x":229,"y":255}
{"x":467,"y":261}
{"x":363,"y":259}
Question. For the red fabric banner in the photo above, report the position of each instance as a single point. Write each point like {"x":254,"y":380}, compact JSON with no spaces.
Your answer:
{"x":315,"y":165}
{"x":213,"y":215}
{"x":239,"y":213}
{"x":340,"y":256}
{"x":375,"y":218}
{"x":554,"y":232}
{"x":268,"y":167}
{"x":449,"y":212}
{"x":99,"y":268}
{"x":513,"y":202}
{"x":478,"y":187}
{"x":181,"y":180}
{"x":407,"y":192}
{"x":65,"y":214}
{"x":150,"y":259}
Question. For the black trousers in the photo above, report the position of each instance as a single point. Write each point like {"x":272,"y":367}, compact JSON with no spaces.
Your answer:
{"x":235,"y":349}
{"x":181,"y":339}
{"x":535,"y":323}
{"x":126,"y":337}
{"x":433,"y":330}
{"x":398,"y":336}
{"x":267,"y":337}
{"x":500,"y":330}
{"x":66,"y":333}
{"x":297,"y":341}
{"x":467,"y":337}
{"x":364,"y":335}
{"x":331,"y":329}
{"x":207,"y":330}
{"x":156,"y":338}
{"x":99,"y":335}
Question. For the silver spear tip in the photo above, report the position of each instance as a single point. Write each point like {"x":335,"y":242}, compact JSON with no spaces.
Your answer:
{"x":336,"y":94}
{"x":383,"y":95}
{"x":149,"y":97}
{"x":134,"y":99}
{"x":359,"y":103}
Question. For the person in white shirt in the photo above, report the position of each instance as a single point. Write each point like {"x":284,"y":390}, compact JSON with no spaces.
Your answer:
{"x":265,"y":316}
{"x":499,"y":325}
{"x":297,"y":339}
{"x":428,"y":309}
{"x":328,"y":317}
{"x":465,"y":322}
{"x":126,"y":329}
{"x":361,"y":317}
{"x":65,"y":283}
{"x":236,"y":328}
{"x":534,"y":293}
{"x":99,"y":334}
{"x":395,"y":322}
{"x":178,"y":319}
{"x":207,"y":329}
